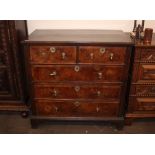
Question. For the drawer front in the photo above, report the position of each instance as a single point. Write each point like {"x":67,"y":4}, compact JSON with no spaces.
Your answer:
{"x":76,"y":108}
{"x":143,"y":90}
{"x":58,"y":91}
{"x":142,"y":104}
{"x":148,"y":55}
{"x":2,"y":59}
{"x":147,"y":72}
{"x":78,"y":73}
{"x":52,"y":54}
{"x":111,"y":55}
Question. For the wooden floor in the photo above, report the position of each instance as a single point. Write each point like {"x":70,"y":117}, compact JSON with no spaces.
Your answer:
{"x":15,"y":124}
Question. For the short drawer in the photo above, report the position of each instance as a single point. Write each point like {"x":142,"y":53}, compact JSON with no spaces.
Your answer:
{"x":144,"y":72}
{"x":148,"y":55}
{"x":76,"y":108}
{"x":143,"y":90}
{"x":82,"y":91}
{"x":87,"y":73}
{"x":142,"y":104}
{"x":147,"y":72}
{"x":110,"y":55}
{"x":52,"y":54}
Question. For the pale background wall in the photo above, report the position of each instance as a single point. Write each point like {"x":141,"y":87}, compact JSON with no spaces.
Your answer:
{"x":125,"y":25}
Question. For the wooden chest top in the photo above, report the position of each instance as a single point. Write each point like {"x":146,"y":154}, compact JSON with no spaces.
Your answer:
{"x":80,"y":36}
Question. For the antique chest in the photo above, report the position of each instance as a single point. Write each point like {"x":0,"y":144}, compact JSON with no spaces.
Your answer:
{"x":142,"y":90}
{"x":77,"y":75}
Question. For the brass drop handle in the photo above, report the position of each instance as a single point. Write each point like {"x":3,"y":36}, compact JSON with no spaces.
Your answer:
{"x":100,"y":75}
{"x":54,"y":73}
{"x":43,"y":53}
{"x":91,"y":56}
{"x":54,"y":93}
{"x":97,"y":109}
{"x":56,"y":108}
{"x":98,"y":93}
{"x":111,"y":56}
{"x":77,"y":103}
{"x":52,"y":49}
{"x":77,"y":88}
{"x":63,"y":55}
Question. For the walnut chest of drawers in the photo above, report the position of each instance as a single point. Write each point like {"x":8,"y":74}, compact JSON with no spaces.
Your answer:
{"x":142,"y":90}
{"x":77,"y":75}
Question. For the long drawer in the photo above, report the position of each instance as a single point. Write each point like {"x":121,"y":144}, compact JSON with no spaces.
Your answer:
{"x":89,"y":73}
{"x":53,"y":54}
{"x":81,"y":91}
{"x":76,"y":108}
{"x":111,"y":55}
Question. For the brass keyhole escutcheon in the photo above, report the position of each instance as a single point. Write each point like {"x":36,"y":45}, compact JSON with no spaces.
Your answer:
{"x":77,"y":88}
{"x":76,"y":68}
{"x":77,"y":103}
{"x":102,"y":50}
{"x":52,"y":49}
